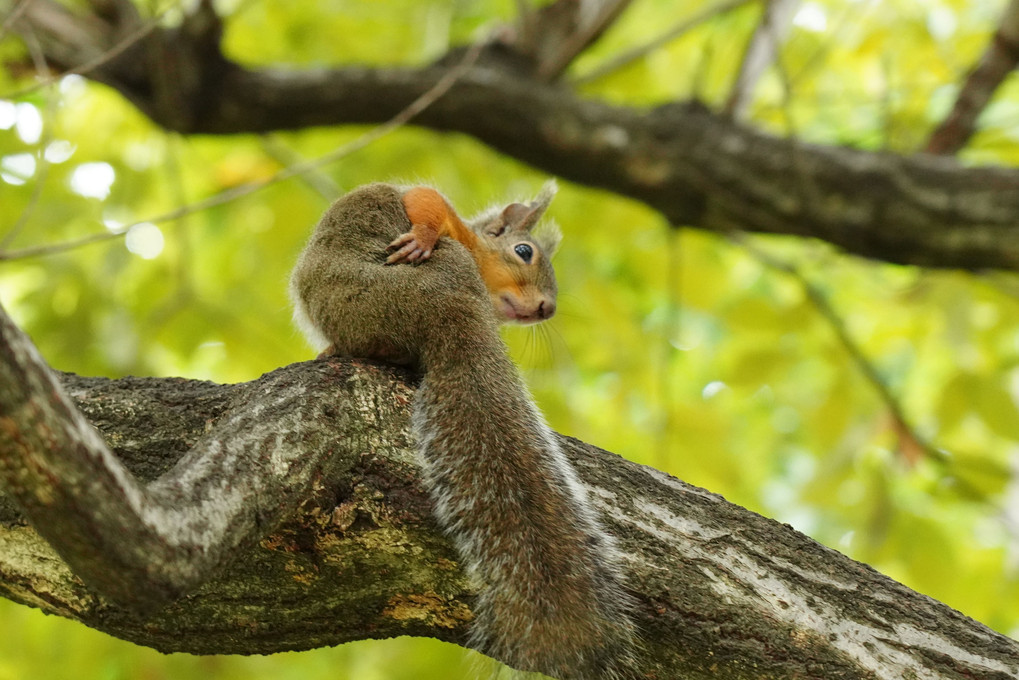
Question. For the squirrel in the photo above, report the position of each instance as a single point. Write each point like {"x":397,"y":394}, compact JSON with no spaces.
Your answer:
{"x":551,"y":588}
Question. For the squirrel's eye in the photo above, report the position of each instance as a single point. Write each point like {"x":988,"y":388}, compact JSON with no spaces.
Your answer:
{"x":524,"y":252}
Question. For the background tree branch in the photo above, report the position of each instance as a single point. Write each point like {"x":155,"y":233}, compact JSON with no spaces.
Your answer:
{"x":998,"y":60}
{"x":760,"y":53}
{"x":692,"y":165}
{"x":722,"y":592}
{"x":553,"y":35}
{"x":673,"y":33}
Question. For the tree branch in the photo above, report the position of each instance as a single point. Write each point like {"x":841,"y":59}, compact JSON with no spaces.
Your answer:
{"x":911,"y":444}
{"x":721,"y":592}
{"x":554,"y":35}
{"x":102,"y":42}
{"x":11,"y":16}
{"x":695,"y":167}
{"x":629,"y":56}
{"x":302,"y":168}
{"x":319,"y":182}
{"x":760,"y":53}
{"x":998,"y":60}
{"x":144,"y":546}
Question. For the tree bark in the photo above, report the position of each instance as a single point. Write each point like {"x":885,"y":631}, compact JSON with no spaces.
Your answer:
{"x":694,"y":166}
{"x":721,"y":592}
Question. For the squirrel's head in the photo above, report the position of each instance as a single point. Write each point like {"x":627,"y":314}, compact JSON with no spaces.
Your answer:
{"x":517,"y":264}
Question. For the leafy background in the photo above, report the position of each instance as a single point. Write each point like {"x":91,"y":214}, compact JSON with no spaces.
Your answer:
{"x":673,"y":348}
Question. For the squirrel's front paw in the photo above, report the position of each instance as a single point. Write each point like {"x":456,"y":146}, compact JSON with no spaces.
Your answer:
{"x":408,"y":248}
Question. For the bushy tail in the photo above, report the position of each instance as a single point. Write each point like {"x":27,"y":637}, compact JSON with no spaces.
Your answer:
{"x":551,"y":596}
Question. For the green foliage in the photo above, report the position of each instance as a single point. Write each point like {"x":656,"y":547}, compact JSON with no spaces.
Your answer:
{"x":675,"y":349}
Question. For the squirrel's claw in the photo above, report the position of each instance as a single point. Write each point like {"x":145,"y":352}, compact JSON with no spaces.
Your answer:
{"x":407,"y":249}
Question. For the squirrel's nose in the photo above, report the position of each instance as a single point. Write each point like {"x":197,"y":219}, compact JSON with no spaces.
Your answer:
{"x":546,"y":308}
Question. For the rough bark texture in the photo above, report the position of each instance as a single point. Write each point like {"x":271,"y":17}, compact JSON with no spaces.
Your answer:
{"x":693,"y":166}
{"x":722,"y":592}
{"x":359,"y":559}
{"x":145,"y":545}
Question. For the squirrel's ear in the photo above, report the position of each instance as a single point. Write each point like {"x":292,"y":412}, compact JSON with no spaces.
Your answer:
{"x":511,"y":217}
{"x":521,"y":217}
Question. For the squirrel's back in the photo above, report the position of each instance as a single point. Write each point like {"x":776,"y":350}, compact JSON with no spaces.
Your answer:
{"x":551,"y":596}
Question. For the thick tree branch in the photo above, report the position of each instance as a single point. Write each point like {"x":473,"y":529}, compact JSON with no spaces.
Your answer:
{"x":998,"y":60}
{"x":144,"y":546}
{"x":693,"y":166}
{"x":721,"y":592}
{"x":304,"y":168}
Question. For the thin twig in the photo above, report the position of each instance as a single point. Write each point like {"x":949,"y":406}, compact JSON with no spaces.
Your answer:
{"x":810,"y":194}
{"x":581,"y":39}
{"x":787,"y":86}
{"x":320,"y":182}
{"x":761,"y":50}
{"x":705,"y":58}
{"x":999,"y":59}
{"x":12,"y":17}
{"x":820,"y":302}
{"x":129,"y":40}
{"x":912,"y":444}
{"x":525,"y":23}
{"x":399,"y":120}
{"x":851,"y":14}
{"x":636,"y":53}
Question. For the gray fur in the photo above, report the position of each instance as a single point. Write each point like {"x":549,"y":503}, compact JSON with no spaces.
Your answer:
{"x":552,"y":599}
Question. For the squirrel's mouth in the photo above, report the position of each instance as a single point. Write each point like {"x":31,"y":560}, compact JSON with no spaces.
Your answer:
{"x":515,"y":312}
{"x":508,"y":311}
